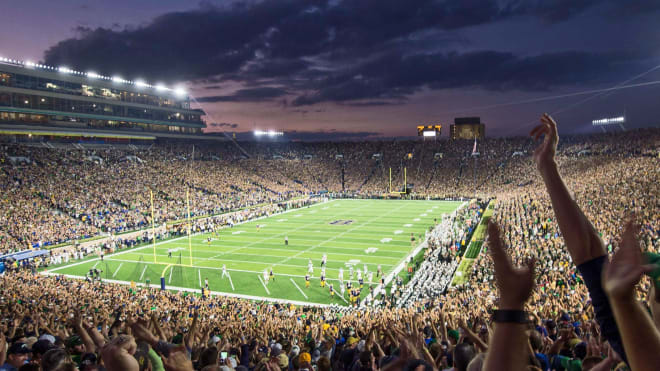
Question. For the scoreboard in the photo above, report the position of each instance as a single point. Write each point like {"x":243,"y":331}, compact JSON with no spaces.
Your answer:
{"x":429,"y":130}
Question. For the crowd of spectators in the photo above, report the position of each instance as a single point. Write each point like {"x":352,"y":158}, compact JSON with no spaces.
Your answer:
{"x":581,"y":313}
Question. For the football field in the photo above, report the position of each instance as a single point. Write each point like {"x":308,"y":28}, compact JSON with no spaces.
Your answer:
{"x":351,"y":233}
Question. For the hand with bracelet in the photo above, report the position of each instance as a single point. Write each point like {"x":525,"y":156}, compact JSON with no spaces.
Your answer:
{"x":507,"y":350}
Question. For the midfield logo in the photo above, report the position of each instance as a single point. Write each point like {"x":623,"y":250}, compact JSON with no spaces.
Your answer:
{"x":341,"y":222}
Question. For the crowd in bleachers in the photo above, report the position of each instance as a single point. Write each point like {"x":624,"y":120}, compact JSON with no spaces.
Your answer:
{"x":575,"y":322}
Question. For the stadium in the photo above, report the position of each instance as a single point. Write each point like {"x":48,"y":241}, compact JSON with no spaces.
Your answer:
{"x":136,"y":233}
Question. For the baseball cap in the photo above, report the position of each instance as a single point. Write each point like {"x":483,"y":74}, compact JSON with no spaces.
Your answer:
{"x":73,"y":340}
{"x":295,"y":350}
{"x":18,"y":348}
{"x":42,"y":346}
{"x":304,"y":357}
{"x":48,"y":337}
{"x":276,"y":349}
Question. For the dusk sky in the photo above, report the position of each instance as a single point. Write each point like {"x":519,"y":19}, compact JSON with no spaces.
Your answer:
{"x":351,"y":69}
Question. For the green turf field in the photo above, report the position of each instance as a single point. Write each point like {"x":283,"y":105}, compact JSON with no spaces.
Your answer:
{"x":350,"y":232}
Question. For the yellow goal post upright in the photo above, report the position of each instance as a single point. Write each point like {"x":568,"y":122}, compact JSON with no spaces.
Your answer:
{"x":405,"y":182}
{"x":189,"y":227}
{"x":153,"y":223}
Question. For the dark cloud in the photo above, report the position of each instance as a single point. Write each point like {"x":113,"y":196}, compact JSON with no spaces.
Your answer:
{"x":223,"y":125}
{"x":367,"y":52}
{"x":393,"y":77}
{"x":246,"y":95}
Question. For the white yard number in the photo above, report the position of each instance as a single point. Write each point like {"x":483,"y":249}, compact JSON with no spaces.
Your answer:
{"x":371,"y":250}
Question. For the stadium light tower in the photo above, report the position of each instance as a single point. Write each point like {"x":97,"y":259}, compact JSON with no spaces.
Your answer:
{"x":610,"y":121}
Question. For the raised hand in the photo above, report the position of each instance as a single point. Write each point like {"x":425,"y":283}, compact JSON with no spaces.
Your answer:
{"x":515,"y":284}
{"x":545,"y":153}
{"x":177,"y":360}
{"x":626,"y":267}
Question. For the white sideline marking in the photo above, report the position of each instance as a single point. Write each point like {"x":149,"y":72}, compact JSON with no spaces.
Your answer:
{"x":263,"y":284}
{"x":230,"y":282}
{"x":188,"y":289}
{"x":298,"y":287}
{"x":408,"y":225}
{"x":199,"y":274}
{"x":118,"y":268}
{"x":398,"y":231}
{"x":142,"y":274}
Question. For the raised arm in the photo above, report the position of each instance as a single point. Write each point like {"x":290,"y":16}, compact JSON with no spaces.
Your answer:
{"x":508,"y":344}
{"x":641,"y":339}
{"x":580,"y":236}
{"x":582,"y":241}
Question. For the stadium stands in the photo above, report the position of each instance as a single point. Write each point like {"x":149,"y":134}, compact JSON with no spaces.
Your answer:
{"x":61,"y":196}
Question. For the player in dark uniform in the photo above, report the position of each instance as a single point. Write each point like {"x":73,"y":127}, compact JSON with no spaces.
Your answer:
{"x":307,"y":281}
{"x":271,"y":274}
{"x":332,"y":291}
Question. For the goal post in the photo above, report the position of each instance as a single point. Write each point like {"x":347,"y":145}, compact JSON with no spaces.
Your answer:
{"x":405,"y":182}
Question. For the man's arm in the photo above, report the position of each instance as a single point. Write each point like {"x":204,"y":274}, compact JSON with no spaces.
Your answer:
{"x":641,"y":339}
{"x":582,"y":241}
{"x":508,"y":344}
{"x":580,"y":236}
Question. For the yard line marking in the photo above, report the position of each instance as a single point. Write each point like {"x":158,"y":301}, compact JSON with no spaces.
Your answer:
{"x":97,"y":263}
{"x":342,"y":298}
{"x":142,"y":274}
{"x":249,"y":271}
{"x":298,"y":287}
{"x":230,"y":282}
{"x":199,"y":274}
{"x":285,"y":233}
{"x":118,"y":268}
{"x":148,"y":246}
{"x":170,"y":280}
{"x":334,"y":237}
{"x":263,"y":284}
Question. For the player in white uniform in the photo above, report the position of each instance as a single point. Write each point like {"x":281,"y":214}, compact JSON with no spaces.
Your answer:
{"x":350,"y":272}
{"x":324,"y":260}
{"x":266,"y":275}
{"x":341,"y":275}
{"x":365,"y":269}
{"x":322,"y":271}
{"x":224,"y":271}
{"x":310,"y":267}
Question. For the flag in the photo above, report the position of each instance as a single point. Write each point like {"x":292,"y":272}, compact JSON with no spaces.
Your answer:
{"x":474,"y":148}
